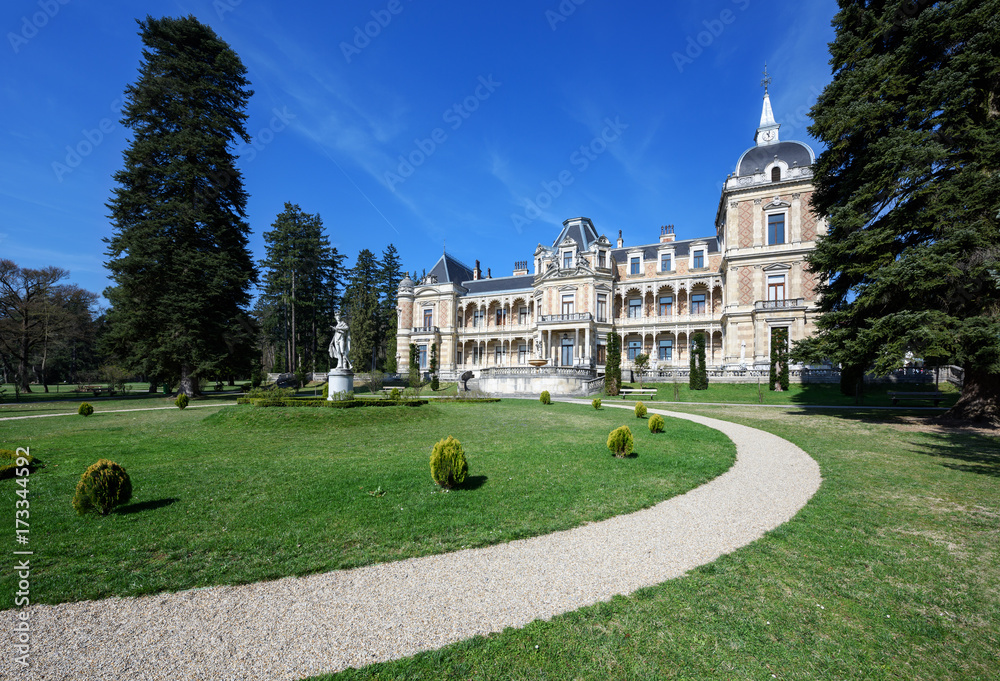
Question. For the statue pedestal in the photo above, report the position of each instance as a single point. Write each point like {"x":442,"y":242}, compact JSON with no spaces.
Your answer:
{"x":340,"y":385}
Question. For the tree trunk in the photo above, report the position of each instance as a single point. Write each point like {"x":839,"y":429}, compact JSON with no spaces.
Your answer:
{"x":980,"y":399}
{"x":189,"y":385}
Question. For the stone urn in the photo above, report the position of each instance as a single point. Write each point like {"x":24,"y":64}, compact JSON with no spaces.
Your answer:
{"x":538,"y":362}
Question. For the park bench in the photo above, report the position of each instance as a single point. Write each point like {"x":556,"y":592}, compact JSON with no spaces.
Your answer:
{"x":97,"y":390}
{"x":935,"y":396}
{"x":641,"y":392}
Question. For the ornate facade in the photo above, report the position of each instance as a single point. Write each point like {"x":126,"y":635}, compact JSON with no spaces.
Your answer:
{"x":735,"y":286}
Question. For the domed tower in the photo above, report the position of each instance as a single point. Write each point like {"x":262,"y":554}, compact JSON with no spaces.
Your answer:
{"x":766,"y":227}
{"x":404,"y":308}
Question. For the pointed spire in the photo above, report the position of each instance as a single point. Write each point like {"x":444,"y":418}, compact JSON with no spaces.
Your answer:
{"x":766,"y":115}
{"x":767,"y":131}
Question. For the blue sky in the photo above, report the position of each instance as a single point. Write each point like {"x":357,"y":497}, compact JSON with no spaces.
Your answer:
{"x":479,"y":127}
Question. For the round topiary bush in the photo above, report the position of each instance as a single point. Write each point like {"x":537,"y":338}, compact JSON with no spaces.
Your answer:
{"x":655,"y":423}
{"x":85,"y":409}
{"x":102,"y":487}
{"x":394,"y":394}
{"x":182,"y":400}
{"x":545,"y":398}
{"x":11,"y":461}
{"x":448,"y":464}
{"x":596,"y":403}
{"x":620,"y":442}
{"x":640,"y":410}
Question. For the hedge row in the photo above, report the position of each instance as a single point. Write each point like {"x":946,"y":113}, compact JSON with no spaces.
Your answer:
{"x":337,"y":404}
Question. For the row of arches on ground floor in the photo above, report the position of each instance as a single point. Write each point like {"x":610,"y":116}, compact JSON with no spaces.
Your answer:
{"x":575,"y":348}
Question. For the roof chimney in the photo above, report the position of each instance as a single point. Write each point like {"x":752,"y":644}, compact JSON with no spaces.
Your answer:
{"x":489,"y":275}
{"x":476,"y":272}
{"x":620,"y":241}
{"x":520,"y":268}
{"x":667,"y":234}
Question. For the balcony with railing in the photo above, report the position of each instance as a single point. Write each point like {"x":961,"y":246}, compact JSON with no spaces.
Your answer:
{"x":784,"y":304}
{"x":658,"y":320}
{"x":426,"y":329}
{"x":572,"y":317}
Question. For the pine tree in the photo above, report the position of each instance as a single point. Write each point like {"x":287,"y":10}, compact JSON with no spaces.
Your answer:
{"x":178,"y":257}
{"x":361,"y":304}
{"x":910,"y":186}
{"x":613,"y":364}
{"x":299,"y":271}
{"x":390,"y":274}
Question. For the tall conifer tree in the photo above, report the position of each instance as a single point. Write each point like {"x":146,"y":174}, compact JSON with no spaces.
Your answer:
{"x":910,"y":184}
{"x":390,"y":274}
{"x":300,"y":284}
{"x":361,"y":304}
{"x":178,"y":256}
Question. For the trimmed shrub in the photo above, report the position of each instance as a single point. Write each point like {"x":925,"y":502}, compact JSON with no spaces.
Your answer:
{"x":545,"y":398}
{"x":86,"y":409}
{"x":102,"y":487}
{"x":596,"y":403}
{"x":620,"y":442}
{"x":640,"y":410}
{"x":182,"y":400}
{"x":9,"y":465}
{"x":655,"y":423}
{"x":394,"y":394}
{"x":448,"y":465}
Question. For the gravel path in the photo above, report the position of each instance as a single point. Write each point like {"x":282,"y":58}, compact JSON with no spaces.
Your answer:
{"x":296,"y":627}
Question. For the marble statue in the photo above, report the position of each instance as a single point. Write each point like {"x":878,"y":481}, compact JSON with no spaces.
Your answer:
{"x":340,"y":344}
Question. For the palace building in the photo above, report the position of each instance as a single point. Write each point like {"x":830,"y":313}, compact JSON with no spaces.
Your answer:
{"x":736,"y":286}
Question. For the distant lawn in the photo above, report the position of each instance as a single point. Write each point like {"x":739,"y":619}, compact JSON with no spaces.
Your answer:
{"x":890,"y":572}
{"x":810,"y":393}
{"x":232,"y":495}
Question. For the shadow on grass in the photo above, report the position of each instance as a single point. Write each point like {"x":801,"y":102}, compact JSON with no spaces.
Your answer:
{"x":969,"y":449}
{"x":144,"y":506}
{"x":978,"y":453}
{"x":472,"y":482}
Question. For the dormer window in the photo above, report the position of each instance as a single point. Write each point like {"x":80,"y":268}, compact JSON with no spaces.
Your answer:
{"x":776,"y":174}
{"x":698,"y":259}
{"x":601,"y":259}
{"x":666,"y":262}
{"x":567,"y":259}
{"x":634,"y":265}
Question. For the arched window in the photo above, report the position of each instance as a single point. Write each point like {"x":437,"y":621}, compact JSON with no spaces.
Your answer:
{"x":775,"y":174}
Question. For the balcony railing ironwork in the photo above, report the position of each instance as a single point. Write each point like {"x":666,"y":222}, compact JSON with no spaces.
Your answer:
{"x":572,"y":317}
{"x":426,"y":329}
{"x":778,"y":304}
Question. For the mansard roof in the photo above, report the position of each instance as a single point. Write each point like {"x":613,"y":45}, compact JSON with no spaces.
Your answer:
{"x":681,"y":249}
{"x":450,"y":270}
{"x":499,"y":284}
{"x":580,"y":230}
{"x":755,"y":159}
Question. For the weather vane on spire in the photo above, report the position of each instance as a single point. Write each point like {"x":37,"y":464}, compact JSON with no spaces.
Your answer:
{"x":767,"y":79}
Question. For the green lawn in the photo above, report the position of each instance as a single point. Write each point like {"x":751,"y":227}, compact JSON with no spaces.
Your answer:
{"x":227,"y":495}
{"x":890,"y":572}
{"x":823,"y":394}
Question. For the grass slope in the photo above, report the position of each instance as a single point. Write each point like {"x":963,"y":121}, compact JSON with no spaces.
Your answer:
{"x":890,"y":572}
{"x":238,"y":494}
